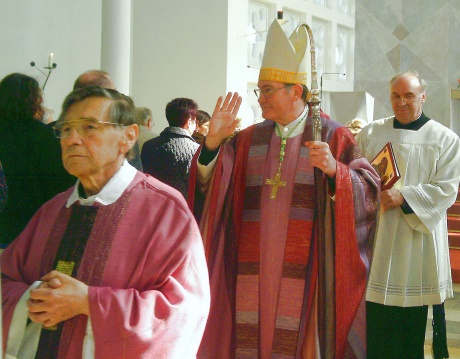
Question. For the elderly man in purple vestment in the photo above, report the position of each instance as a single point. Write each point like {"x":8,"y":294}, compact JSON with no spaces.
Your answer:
{"x":112,"y":268}
{"x":274,"y":293}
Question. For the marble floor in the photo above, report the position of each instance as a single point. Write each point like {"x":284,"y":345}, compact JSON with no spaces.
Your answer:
{"x":452,"y":307}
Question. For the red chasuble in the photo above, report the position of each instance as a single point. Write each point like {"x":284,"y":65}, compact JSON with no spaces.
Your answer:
{"x":262,"y":253}
{"x":143,"y":260}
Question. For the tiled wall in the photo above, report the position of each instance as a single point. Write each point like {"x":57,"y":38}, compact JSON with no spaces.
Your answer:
{"x":398,"y":35}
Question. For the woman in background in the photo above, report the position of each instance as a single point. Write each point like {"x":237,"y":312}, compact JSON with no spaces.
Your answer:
{"x":202,"y":126}
{"x":29,"y":153}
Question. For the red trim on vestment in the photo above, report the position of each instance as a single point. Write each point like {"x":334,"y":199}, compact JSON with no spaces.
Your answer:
{"x":350,"y":271}
{"x":243,"y":145}
{"x":192,"y":179}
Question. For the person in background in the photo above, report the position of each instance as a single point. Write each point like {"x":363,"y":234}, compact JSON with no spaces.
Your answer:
{"x":278,"y":288}
{"x":411,"y":268}
{"x":146,"y":124}
{"x":94,"y":78}
{"x":29,"y":153}
{"x":202,"y":126}
{"x":168,"y":156}
{"x":112,"y":268}
{"x":89,"y":78}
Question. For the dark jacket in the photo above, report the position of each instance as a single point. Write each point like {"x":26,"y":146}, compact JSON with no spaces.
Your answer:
{"x":3,"y":190}
{"x":168,"y":157}
{"x":198,"y":137}
{"x":32,"y":165}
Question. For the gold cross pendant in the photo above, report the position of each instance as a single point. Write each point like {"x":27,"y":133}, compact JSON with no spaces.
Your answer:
{"x":275,"y":183}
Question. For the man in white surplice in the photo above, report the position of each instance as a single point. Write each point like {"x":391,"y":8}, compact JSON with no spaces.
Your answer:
{"x":410,"y":268}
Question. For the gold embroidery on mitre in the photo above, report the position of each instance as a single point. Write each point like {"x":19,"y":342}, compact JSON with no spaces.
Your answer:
{"x":287,"y":77}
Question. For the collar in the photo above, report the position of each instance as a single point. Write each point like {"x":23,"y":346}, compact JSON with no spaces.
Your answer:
{"x":293,"y":124}
{"x":177,"y":131}
{"x":111,"y":192}
{"x":413,"y":126}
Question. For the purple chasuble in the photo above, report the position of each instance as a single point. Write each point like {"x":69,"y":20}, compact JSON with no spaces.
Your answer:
{"x":77,"y":239}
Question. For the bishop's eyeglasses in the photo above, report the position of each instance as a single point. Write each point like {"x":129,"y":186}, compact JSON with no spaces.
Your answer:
{"x":85,"y":127}
{"x":269,"y":91}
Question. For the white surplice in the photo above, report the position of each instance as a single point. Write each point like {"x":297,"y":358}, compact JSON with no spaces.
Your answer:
{"x":411,"y":265}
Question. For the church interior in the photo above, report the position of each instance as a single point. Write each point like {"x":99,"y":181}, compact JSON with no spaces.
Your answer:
{"x":159,"y":50}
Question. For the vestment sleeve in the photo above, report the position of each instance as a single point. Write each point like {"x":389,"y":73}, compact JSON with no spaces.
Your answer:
{"x":204,"y":173}
{"x":354,"y":217}
{"x":15,"y":282}
{"x":164,"y":313}
{"x":365,"y":184}
{"x":431,"y":200}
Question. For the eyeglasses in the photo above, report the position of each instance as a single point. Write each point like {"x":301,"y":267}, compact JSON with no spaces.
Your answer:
{"x":86,"y":128}
{"x":268,"y":92}
{"x":408,"y":98}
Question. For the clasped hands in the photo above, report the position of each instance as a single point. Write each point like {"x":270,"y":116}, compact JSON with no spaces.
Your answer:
{"x":59,"y":297}
{"x":224,"y":122}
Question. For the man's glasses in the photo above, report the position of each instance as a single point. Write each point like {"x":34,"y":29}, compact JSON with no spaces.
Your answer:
{"x":408,"y":98}
{"x":86,"y":128}
{"x":269,"y":91}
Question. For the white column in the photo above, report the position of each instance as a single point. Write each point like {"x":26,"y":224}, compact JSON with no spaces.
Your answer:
{"x":116,"y":42}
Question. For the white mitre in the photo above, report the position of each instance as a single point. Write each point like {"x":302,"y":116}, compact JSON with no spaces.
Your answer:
{"x":284,"y":59}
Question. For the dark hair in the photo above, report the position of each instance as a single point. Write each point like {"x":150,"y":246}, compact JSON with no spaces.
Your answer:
{"x":202,"y":117}
{"x":93,"y":78}
{"x":179,"y":110}
{"x":20,"y":100}
{"x":122,"y":109}
{"x":305,"y":93}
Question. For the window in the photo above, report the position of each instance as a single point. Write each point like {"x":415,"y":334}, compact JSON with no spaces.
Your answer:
{"x":341,"y":51}
{"x":257,"y":32}
{"x":319,"y":29}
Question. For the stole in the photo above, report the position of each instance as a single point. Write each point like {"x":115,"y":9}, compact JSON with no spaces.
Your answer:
{"x":258,"y":292}
{"x":79,"y":246}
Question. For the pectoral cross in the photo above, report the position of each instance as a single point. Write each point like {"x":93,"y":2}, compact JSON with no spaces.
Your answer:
{"x":276,"y":182}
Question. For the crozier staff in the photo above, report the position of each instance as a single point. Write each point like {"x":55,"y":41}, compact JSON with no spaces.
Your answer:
{"x":258,"y":221}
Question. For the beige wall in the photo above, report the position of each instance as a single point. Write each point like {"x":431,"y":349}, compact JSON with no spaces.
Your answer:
{"x":30,"y":30}
{"x":185,"y":49}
